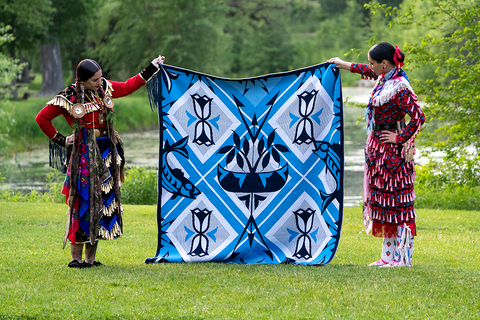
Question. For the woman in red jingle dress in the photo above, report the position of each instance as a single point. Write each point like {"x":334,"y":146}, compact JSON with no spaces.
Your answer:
{"x":389,"y":169}
{"x":94,"y":170}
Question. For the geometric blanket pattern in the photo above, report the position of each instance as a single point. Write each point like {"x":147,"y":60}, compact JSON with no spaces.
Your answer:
{"x":250,"y":170}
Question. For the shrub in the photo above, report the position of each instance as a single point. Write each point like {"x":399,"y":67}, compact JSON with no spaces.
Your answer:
{"x":450,"y":184}
{"x":53,"y":193}
{"x":55,"y":180}
{"x":140,"y":186}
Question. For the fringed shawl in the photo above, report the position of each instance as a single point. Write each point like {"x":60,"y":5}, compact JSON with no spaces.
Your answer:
{"x":390,"y":89}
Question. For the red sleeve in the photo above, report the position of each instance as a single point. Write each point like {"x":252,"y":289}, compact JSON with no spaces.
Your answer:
{"x":47,"y":114}
{"x":408,"y":103}
{"x":121,"y":89}
{"x":363,"y":69}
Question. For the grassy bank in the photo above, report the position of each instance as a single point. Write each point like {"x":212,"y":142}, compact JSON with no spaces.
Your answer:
{"x":36,"y":284}
{"x":133,"y":113}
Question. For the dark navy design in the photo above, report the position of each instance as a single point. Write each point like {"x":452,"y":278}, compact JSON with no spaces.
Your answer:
{"x":306,"y":106}
{"x":304,"y":221}
{"x":251,"y":169}
{"x":173,"y":180}
{"x":203,"y":128}
{"x":201,"y":234}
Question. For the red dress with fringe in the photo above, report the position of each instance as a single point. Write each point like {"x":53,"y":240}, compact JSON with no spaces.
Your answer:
{"x":96,"y":211}
{"x":389,"y":177}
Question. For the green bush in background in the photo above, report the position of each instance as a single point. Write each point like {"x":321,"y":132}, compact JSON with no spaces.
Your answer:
{"x":52,"y":195}
{"x":434,"y":186}
{"x":140,"y":186}
{"x":449,"y":184}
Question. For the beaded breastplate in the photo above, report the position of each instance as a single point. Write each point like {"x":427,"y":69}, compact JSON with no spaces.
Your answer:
{"x":66,"y":98}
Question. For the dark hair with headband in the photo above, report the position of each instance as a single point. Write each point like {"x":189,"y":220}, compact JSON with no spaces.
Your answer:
{"x":85,"y":70}
{"x":385,"y":51}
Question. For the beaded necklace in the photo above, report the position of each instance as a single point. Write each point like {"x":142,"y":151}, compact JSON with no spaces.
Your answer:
{"x":96,"y":101}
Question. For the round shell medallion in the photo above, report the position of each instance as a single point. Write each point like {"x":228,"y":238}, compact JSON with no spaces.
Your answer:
{"x":108,"y":102}
{"x":78,"y":110}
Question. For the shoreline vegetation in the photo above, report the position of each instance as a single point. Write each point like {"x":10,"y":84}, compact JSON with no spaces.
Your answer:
{"x":444,"y":185}
{"x":140,"y":188}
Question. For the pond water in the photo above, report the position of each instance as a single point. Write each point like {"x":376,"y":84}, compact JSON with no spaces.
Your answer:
{"x":27,"y":170}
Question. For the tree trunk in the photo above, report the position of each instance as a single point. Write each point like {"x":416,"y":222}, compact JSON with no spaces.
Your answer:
{"x":52,"y":73}
{"x":25,"y":76}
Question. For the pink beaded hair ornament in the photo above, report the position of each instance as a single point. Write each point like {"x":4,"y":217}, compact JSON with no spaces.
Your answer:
{"x":396,"y":57}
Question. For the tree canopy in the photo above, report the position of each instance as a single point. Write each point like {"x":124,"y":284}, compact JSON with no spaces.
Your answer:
{"x":28,"y":20}
{"x":227,"y":38}
{"x":9,"y":69}
{"x":450,"y":47}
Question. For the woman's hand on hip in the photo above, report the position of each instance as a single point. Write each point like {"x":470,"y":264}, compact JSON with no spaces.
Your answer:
{"x":388,"y":137}
{"x":69,"y":140}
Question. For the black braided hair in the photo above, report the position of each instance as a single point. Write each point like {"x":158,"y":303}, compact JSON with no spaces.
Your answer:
{"x":79,"y":91}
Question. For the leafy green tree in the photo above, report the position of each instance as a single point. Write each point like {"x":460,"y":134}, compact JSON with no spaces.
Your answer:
{"x":28,"y":20}
{"x":345,"y":31}
{"x":72,"y":21}
{"x":43,"y":29}
{"x":337,"y":34}
{"x":221,"y":37}
{"x":9,"y":66}
{"x":385,"y":27}
{"x":262,"y":39}
{"x":9,"y":69}
{"x":452,"y":48}
{"x":65,"y":42}
{"x":130,"y":34}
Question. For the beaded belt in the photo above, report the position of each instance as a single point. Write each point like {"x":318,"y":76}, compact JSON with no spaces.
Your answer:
{"x":390,"y":126}
{"x":101,"y":132}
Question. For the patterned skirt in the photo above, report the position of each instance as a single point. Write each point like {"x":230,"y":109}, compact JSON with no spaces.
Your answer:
{"x":96,"y":212}
{"x":388,"y":190}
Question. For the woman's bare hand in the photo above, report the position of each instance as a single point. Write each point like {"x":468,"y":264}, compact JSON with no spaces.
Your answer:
{"x":340,"y":63}
{"x":69,"y":140}
{"x":388,"y":137}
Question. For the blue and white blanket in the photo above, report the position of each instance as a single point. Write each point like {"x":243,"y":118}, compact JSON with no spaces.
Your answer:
{"x":250,"y":170}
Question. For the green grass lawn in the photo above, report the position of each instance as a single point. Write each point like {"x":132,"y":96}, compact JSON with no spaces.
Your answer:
{"x":36,"y":283}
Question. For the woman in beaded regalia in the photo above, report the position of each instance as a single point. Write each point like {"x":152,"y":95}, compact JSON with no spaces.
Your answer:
{"x":92,"y":156}
{"x":388,"y":194}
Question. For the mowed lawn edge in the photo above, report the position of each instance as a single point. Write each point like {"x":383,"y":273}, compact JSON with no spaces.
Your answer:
{"x":36,"y":283}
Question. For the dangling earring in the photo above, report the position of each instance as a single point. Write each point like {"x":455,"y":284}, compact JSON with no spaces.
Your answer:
{"x":382,"y":79}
